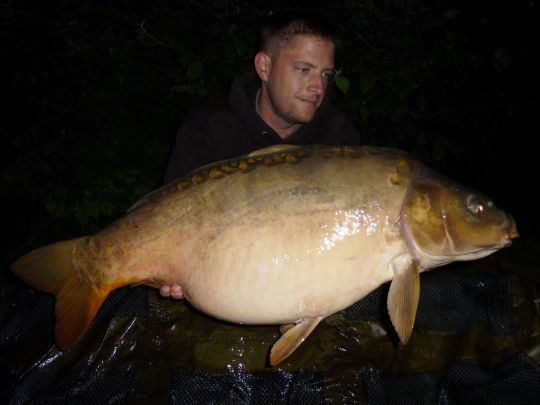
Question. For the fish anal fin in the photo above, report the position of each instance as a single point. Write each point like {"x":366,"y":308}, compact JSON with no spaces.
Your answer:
{"x":291,"y":339}
{"x":403,"y":298}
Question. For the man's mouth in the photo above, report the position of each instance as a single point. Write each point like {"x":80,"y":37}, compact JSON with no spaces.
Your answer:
{"x":310,"y":102}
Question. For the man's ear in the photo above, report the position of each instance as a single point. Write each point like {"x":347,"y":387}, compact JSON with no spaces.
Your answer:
{"x":262,"y":65}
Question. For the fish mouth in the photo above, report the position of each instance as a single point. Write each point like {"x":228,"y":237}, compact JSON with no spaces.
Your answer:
{"x":506,"y":243}
{"x":508,"y":238}
{"x":511,"y":233}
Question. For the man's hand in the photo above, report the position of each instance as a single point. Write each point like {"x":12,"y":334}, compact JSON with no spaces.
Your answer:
{"x":173,"y":291}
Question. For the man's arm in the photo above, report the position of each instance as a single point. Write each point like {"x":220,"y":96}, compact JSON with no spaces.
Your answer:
{"x":192,"y":149}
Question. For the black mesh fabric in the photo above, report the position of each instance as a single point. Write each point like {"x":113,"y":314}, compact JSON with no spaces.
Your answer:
{"x":243,"y":387}
{"x":33,"y":318}
{"x":98,"y":388}
{"x":515,"y":381}
{"x":443,"y":296}
{"x":34,"y":312}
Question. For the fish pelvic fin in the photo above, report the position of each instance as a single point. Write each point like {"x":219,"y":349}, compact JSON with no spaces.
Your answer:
{"x":292,"y":337}
{"x":403,"y":298}
{"x":50,"y":268}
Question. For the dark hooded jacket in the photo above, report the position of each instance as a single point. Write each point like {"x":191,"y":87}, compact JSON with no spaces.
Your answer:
{"x":230,"y":126}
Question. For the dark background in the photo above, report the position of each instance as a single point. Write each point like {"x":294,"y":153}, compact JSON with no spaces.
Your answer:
{"x":93,"y":92}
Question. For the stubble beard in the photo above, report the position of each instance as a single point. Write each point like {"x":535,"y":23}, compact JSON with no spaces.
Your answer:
{"x":288,"y":113}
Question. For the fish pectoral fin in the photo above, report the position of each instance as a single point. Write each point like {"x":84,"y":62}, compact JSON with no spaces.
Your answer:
{"x":292,"y":338}
{"x":403,"y":299}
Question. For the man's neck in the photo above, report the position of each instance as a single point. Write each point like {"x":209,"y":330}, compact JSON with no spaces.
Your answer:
{"x":283,"y":129}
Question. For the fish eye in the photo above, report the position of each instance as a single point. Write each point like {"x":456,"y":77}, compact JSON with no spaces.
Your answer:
{"x":477,"y":205}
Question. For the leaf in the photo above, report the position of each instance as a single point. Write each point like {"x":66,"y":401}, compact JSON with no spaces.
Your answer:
{"x":367,"y":82}
{"x":421,"y":103}
{"x":439,"y":152}
{"x":195,"y":70}
{"x":145,"y":40}
{"x":502,"y":57}
{"x":50,"y":205}
{"x":364,"y":111}
{"x":183,"y":88}
{"x":342,"y":84}
{"x":451,"y":13}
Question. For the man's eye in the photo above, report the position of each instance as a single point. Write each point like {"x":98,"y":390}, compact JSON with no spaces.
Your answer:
{"x":327,"y":76}
{"x":302,"y":70}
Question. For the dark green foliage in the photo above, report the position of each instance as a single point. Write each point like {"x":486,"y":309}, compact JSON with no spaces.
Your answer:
{"x":93,"y":93}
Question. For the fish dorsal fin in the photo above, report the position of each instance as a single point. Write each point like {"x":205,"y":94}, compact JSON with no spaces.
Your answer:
{"x":146,"y":197}
{"x":259,"y":152}
{"x":291,"y":339}
{"x":274,"y":149}
{"x":403,"y":299}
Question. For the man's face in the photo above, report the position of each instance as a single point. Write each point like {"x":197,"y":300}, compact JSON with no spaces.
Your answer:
{"x":298,"y":78}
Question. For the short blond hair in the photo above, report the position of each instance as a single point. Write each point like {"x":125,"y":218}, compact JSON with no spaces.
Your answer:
{"x":281,"y":28}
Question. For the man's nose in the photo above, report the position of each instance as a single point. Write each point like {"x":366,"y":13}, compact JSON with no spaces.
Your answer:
{"x":317,"y":84}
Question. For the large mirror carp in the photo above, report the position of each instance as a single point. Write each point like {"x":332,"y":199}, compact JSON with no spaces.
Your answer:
{"x":288,"y":235}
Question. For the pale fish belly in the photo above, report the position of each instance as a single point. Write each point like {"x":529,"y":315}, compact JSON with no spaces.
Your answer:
{"x":273,"y":273}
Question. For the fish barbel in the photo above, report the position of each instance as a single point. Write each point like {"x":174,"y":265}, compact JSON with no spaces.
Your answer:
{"x":284,"y":236}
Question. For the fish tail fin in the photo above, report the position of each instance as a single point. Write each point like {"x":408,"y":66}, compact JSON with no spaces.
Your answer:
{"x":51,"y":269}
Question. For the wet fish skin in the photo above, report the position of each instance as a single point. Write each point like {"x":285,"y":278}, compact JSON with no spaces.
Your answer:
{"x":287,"y":236}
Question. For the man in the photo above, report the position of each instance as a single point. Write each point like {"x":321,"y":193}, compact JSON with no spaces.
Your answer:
{"x":280,"y":100}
